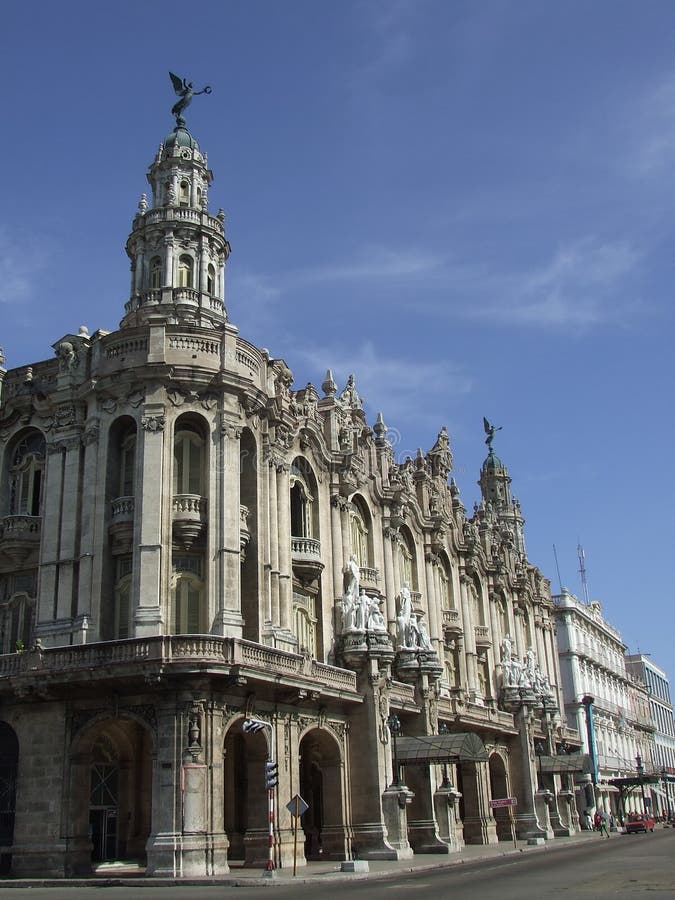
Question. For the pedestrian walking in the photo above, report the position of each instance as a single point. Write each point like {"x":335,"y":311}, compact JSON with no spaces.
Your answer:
{"x":604,"y":823}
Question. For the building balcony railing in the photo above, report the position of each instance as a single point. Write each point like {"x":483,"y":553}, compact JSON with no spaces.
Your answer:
{"x":306,"y":559}
{"x":189,"y":518}
{"x":482,"y":636}
{"x":370,"y":578}
{"x":121,"y":528}
{"x":115,"y":659}
{"x":19,"y":535}
{"x":122,"y":509}
{"x":244,"y":530}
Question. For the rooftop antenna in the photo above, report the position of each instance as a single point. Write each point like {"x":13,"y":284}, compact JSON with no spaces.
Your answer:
{"x":557,"y":567}
{"x":582,"y":571}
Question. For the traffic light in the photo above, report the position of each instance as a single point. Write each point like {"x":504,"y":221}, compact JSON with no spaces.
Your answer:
{"x":271,"y":775}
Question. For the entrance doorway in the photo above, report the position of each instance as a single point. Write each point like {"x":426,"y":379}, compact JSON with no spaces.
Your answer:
{"x":103,"y":812}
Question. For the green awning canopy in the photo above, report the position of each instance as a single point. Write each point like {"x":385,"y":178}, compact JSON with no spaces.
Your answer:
{"x":575,"y":762}
{"x":440,"y":748}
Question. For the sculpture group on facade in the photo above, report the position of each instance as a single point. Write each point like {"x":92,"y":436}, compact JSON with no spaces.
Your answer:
{"x":522,"y":673}
{"x":360,"y":612}
{"x":411,"y":628}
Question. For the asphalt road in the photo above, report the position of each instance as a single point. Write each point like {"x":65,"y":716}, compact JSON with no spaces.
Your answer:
{"x":625,"y":866}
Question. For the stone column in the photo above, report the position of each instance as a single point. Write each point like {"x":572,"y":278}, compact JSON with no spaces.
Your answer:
{"x":435,"y":629}
{"x":284,"y":539}
{"x":479,"y":826}
{"x":168,"y":260}
{"x":149,"y":536}
{"x":336,"y":502}
{"x":273,"y":525}
{"x":527,"y":823}
{"x":390,"y":584}
{"x":469,"y":636}
{"x":226,"y":494}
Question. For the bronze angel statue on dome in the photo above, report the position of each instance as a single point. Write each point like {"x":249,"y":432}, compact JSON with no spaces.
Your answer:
{"x":490,"y":432}
{"x":186,"y":92}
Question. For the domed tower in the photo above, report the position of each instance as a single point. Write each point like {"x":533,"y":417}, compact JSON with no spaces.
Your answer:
{"x":495,"y":486}
{"x":177,"y":249}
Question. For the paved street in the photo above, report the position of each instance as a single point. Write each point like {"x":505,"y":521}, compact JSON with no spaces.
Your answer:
{"x":587,"y":867}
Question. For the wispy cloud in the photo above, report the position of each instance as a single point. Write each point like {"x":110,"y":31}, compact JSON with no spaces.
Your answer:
{"x":578,"y":287}
{"x":404,"y":388}
{"x":21,"y":260}
{"x":649,"y":149}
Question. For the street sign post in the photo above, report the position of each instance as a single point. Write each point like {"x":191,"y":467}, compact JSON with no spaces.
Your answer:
{"x":509,"y":803}
{"x":296,"y":807}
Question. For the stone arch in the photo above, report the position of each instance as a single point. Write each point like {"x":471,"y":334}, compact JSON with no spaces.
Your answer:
{"x":9,"y":762}
{"x":110,"y":771}
{"x":245,"y":796}
{"x":23,"y":471}
{"x":322,"y":787}
{"x":499,"y":788}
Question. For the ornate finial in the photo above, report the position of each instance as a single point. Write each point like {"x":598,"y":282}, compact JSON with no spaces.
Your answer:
{"x":143,"y":204}
{"x":2,"y":357}
{"x":490,"y":432}
{"x":185,"y":90}
{"x":379,"y":427}
{"x":328,"y":386}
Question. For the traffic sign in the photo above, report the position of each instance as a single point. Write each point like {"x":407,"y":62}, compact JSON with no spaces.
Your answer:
{"x":503,"y":801}
{"x":297,"y":806}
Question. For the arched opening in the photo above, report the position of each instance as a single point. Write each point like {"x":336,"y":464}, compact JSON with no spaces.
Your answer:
{"x":26,"y":471}
{"x":211,"y":279}
{"x":155,"y":273}
{"x":116,"y":613}
{"x":498,"y":790}
{"x":246,"y":813}
{"x":184,"y":193}
{"x":321,"y":786}
{"x":469,"y":805}
{"x":9,"y":761}
{"x":407,"y":559}
{"x":185,"y":271}
{"x":110,"y":793}
{"x":305,"y":555}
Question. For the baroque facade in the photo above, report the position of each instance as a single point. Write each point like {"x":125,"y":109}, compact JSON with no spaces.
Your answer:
{"x":189,"y":545}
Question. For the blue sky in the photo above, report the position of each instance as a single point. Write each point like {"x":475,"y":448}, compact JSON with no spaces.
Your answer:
{"x":468,"y":205}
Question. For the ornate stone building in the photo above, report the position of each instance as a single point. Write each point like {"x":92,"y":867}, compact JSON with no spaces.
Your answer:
{"x":188,"y":544}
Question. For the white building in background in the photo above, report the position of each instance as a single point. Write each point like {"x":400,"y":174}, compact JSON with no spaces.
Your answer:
{"x":661,"y":709}
{"x":593,"y":665}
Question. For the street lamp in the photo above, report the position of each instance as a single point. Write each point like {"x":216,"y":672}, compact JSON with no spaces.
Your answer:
{"x":394,"y":724}
{"x":540,"y":751}
{"x":641,"y":771}
{"x":443,"y":729}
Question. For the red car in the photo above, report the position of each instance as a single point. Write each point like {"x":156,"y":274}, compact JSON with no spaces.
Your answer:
{"x":637,"y":822}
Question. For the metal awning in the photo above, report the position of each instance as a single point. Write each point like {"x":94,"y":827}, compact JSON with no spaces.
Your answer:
{"x":575,"y":762}
{"x":440,"y":748}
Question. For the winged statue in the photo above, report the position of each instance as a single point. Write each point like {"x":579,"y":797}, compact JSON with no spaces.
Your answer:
{"x":185,"y":90}
{"x":490,"y":432}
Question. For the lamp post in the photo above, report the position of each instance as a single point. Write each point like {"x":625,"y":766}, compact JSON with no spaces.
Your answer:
{"x":443,"y":729}
{"x":641,"y":771}
{"x":394,"y":724}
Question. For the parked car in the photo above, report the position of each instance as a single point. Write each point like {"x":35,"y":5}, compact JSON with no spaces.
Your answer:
{"x":638,"y":822}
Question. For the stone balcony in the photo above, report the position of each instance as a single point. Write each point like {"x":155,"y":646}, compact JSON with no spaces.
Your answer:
{"x":306,"y":559}
{"x":121,"y":528}
{"x":145,"y":660}
{"x":452,"y":624}
{"x":369,"y":578}
{"x":482,"y":636}
{"x":19,"y":536}
{"x":188,"y":518}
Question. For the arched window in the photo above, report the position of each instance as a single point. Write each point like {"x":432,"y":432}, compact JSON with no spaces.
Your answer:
{"x":184,"y":194}
{"x":123,"y":612}
{"x":211,"y":279}
{"x":155,"y":273}
{"x":407,"y":561}
{"x":185,"y":272}
{"x":26,"y":470}
{"x":128,"y":465}
{"x":445,"y":594}
{"x":17,"y":617}
{"x":303,"y":507}
{"x":188,"y":459}
{"x":359,"y":533}
{"x":188,"y":596}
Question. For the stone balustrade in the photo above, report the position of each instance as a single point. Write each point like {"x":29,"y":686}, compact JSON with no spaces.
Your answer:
{"x":165,"y":650}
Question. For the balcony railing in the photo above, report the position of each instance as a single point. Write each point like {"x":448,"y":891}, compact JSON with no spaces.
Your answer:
{"x":306,"y":557}
{"x":19,"y":536}
{"x":303,"y":546}
{"x":189,"y":518}
{"x":122,"y":509}
{"x":265,"y":663}
{"x":482,"y":634}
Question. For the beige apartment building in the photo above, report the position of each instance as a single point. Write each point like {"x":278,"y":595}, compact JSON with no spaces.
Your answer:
{"x":204,"y":569}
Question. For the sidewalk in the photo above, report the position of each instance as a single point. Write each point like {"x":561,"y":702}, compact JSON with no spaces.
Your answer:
{"x":128,"y":875}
